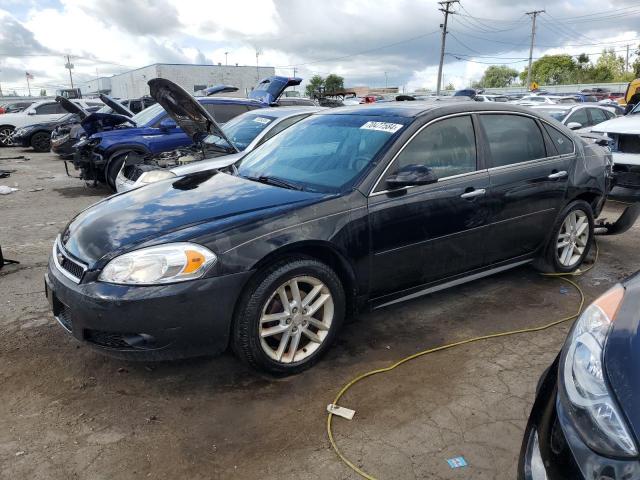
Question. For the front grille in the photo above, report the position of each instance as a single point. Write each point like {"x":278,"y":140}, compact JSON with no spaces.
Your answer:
{"x":64,"y":318}
{"x":627,"y":177}
{"x":107,"y":339}
{"x":629,"y":143}
{"x":71,"y":268}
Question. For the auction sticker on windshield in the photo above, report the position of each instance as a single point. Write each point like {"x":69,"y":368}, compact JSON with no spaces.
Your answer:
{"x":262,"y":120}
{"x":382,"y":126}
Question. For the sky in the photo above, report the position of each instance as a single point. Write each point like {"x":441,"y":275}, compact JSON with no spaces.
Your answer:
{"x":368,"y":42}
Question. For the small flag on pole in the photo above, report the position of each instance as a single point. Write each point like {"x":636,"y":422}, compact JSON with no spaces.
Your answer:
{"x":29,"y":76}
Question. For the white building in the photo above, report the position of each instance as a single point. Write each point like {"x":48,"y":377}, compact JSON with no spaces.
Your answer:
{"x":192,"y":78}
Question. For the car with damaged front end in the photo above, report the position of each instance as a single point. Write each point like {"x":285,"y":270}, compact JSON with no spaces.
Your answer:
{"x":347,"y":210}
{"x":585,"y":422}
{"x":210,"y":140}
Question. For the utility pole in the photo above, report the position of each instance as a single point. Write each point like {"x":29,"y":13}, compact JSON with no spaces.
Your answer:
{"x":295,"y":70}
{"x":533,"y":16}
{"x":69,"y":66}
{"x":257,"y":66}
{"x":445,"y":8}
{"x":226,"y":58}
{"x":386,"y":80}
{"x":626,"y":63}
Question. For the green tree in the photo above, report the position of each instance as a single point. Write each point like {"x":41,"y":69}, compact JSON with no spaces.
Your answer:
{"x":43,"y":93}
{"x":450,"y":86}
{"x":611,"y":62}
{"x":498,"y":76}
{"x":552,"y":70}
{"x":334,"y":83}
{"x":315,"y":83}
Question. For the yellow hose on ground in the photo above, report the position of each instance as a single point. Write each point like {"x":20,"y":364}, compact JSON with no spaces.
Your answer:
{"x":561,"y":276}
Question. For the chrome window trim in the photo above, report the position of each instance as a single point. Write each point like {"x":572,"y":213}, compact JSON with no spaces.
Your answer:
{"x":57,"y":245}
{"x":391,"y":162}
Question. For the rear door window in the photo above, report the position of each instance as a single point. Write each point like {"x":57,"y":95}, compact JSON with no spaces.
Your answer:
{"x":50,"y":109}
{"x":223,"y":112}
{"x":512,"y":139}
{"x":563,"y":144}
{"x":579,"y":116}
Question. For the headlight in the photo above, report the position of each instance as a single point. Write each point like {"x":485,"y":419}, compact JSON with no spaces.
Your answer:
{"x":87,"y":142}
{"x":153,"y":176}
{"x":586,"y":394}
{"x":169,"y":263}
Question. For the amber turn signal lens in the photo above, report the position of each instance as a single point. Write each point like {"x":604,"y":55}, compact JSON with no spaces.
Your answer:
{"x":194,"y":261}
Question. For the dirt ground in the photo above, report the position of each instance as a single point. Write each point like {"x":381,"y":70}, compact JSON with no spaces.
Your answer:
{"x":67,"y":412}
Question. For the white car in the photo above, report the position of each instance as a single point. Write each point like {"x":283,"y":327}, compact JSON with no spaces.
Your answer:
{"x":491,"y":98}
{"x":531,"y":100}
{"x":580,"y":117}
{"x":43,"y":111}
{"x":624,"y":133}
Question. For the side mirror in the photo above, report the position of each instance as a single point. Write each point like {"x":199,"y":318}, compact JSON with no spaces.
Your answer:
{"x":574,"y":125}
{"x":411,"y":175}
{"x":167,"y":124}
{"x":31,"y":112}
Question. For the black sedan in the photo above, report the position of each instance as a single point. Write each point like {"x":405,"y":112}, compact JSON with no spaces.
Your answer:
{"x":357,"y":208}
{"x":585,"y":422}
{"x":38,"y":136}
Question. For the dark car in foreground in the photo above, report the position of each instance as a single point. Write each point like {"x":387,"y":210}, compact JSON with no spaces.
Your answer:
{"x":349,"y":209}
{"x":585,"y":421}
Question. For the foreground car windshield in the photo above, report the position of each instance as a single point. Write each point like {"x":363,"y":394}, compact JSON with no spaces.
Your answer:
{"x":325,"y":153}
{"x":241,"y":130}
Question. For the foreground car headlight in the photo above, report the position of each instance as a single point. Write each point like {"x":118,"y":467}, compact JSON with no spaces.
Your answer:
{"x":87,"y":142}
{"x":153,"y":176}
{"x":586,"y":394}
{"x":169,"y":263}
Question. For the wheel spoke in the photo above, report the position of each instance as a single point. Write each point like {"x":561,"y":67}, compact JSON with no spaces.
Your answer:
{"x":293,"y":348}
{"x":311,"y":336}
{"x":563,"y":244}
{"x":310,"y":297}
{"x":273,"y":317}
{"x":315,"y":306}
{"x":582,"y":228}
{"x":283,"y":345}
{"x":268,"y":332}
{"x":282,"y":293}
{"x":566,"y":255}
{"x":318,"y":324}
{"x":295,"y":292}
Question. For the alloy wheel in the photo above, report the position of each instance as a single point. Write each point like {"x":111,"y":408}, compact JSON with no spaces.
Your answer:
{"x":573,"y":238}
{"x":5,"y":136}
{"x":296,"y":319}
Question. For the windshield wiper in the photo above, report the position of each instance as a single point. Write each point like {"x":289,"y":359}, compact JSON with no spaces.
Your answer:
{"x":275,"y":181}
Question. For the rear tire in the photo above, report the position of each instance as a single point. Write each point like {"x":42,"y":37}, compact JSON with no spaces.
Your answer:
{"x":288,"y":316}
{"x":41,"y":142}
{"x":570,"y":240}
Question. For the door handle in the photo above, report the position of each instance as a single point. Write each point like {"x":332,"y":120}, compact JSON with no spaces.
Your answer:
{"x":557,"y":175}
{"x":474,"y":193}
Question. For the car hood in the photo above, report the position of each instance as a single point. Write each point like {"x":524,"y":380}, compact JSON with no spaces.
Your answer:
{"x":173,"y":210}
{"x":96,"y":122}
{"x":622,"y":354}
{"x":207,"y":164}
{"x":187,"y":112}
{"x":270,"y":89}
{"x":116,"y":106}
{"x":72,"y":107}
{"x":629,"y":124}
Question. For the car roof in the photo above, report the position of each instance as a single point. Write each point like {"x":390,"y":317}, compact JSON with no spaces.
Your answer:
{"x":419,"y":108}
{"x":283,"y":112}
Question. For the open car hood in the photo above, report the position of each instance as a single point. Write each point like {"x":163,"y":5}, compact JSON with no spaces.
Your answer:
{"x":269,"y":90}
{"x":72,"y":107}
{"x":116,"y":106}
{"x":629,"y":124}
{"x":187,"y":112}
{"x":96,"y":122}
{"x":219,"y":89}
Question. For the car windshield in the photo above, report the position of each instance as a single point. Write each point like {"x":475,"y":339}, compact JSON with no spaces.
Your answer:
{"x":635,"y":109}
{"x":326,"y":153}
{"x":557,"y":114}
{"x":148,"y":114}
{"x":241,"y":130}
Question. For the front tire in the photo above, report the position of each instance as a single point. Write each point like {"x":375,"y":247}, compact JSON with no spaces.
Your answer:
{"x":41,"y":142}
{"x":570,"y":240}
{"x":113,"y":168}
{"x":5,"y":136}
{"x":288,"y":316}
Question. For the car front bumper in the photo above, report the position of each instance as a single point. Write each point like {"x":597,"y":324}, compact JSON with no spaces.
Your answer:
{"x":146,"y":322}
{"x":21,"y":139}
{"x":560,"y":453}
